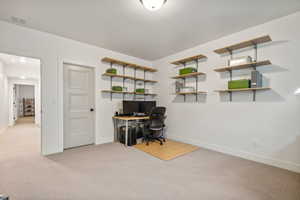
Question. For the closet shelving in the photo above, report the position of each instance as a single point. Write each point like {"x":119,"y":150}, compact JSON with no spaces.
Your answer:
{"x":242,"y":45}
{"x":28,"y":107}
{"x":183,"y":63}
{"x":135,"y":67}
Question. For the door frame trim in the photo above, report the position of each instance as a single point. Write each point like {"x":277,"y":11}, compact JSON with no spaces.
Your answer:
{"x":61,"y":108}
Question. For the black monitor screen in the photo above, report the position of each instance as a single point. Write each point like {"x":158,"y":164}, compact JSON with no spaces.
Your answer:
{"x":146,"y":106}
{"x":130,"y":107}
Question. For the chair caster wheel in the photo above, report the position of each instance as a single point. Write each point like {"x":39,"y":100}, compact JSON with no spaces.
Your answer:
{"x":161,"y":143}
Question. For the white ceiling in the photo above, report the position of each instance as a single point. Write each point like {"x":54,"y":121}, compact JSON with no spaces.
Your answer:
{"x":21,"y":67}
{"x":125,"y":26}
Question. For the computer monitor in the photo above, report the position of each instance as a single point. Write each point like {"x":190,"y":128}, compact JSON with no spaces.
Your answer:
{"x":146,"y":106}
{"x":130,"y":107}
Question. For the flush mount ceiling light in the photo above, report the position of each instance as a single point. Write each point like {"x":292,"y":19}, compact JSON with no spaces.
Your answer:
{"x":153,"y":5}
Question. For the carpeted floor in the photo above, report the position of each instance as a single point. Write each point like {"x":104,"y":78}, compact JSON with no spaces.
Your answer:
{"x":113,"y":172}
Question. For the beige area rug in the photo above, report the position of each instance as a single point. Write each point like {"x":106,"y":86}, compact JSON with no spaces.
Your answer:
{"x":168,"y":151}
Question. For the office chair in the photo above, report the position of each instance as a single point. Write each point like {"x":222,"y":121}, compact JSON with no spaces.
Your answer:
{"x":155,"y":125}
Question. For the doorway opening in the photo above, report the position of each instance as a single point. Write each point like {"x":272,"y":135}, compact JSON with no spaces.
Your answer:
{"x":20,"y":107}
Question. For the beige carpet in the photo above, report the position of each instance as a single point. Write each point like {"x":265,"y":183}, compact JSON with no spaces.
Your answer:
{"x":113,"y":172}
{"x":168,"y":151}
{"x":25,"y":120}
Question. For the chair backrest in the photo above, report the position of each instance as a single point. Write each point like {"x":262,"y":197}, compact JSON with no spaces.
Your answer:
{"x":157,"y":117}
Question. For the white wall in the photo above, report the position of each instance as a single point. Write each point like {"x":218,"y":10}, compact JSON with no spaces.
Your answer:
{"x":3,"y":98}
{"x":267,"y":130}
{"x":26,"y":91}
{"x":29,"y":70}
{"x":53,"y":51}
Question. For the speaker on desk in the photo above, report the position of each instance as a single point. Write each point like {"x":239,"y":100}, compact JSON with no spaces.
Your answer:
{"x":131,"y":135}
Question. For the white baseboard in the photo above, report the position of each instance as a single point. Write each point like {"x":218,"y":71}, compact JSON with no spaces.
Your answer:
{"x":104,"y":141}
{"x":243,"y":154}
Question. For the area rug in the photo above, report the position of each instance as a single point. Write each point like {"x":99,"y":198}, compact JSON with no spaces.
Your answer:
{"x":168,"y":151}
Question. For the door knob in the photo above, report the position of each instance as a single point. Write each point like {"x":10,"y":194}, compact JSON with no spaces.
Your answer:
{"x":92,"y":109}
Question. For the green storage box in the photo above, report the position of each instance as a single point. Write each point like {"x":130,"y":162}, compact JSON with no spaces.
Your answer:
{"x":187,"y":70}
{"x":238,"y":84}
{"x":117,"y":88}
{"x":111,"y":71}
{"x":140,"y":90}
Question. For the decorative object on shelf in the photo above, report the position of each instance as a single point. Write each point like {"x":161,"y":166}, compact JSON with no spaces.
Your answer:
{"x":187,"y":89}
{"x":137,"y":81}
{"x":256,"y":79}
{"x":238,"y":84}
{"x":178,"y":85}
{"x":111,"y":71}
{"x":140,"y":90}
{"x":188,"y":72}
{"x":117,"y":88}
{"x":244,"y":63}
{"x":239,"y":61}
{"x":153,"y":5}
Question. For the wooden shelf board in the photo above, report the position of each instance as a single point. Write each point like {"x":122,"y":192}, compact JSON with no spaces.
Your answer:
{"x":147,"y":94}
{"x":127,"y":64}
{"x":244,"y":44}
{"x":119,"y":92}
{"x":190,"y":93}
{"x":243,"y":89}
{"x":244,"y":66}
{"x":128,"y":77}
{"x":188,"y":75}
{"x":189,"y":59}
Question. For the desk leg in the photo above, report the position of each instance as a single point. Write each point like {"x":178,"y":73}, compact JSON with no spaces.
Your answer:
{"x":115,"y":121}
{"x":126,"y":134}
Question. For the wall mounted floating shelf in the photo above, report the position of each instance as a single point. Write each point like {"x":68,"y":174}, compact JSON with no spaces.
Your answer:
{"x":244,"y":44}
{"x":125,"y":65}
{"x":188,"y":75}
{"x":191,"y":93}
{"x":120,"y":92}
{"x":128,"y":77}
{"x":229,"y":49}
{"x":189,"y":59}
{"x":243,"y":89}
{"x":182,"y":63}
{"x":244,"y":66}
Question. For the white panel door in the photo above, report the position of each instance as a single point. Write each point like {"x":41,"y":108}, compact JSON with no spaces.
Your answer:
{"x":78,"y":106}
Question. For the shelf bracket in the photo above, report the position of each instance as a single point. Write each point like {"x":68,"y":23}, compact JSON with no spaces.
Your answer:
{"x":230,"y":53}
{"x":111,"y":78}
{"x":255,"y":52}
{"x":124,"y":81}
{"x":196,"y":88}
{"x":254,"y":95}
{"x":230,"y":96}
{"x":145,"y":84}
{"x":134,"y":96}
